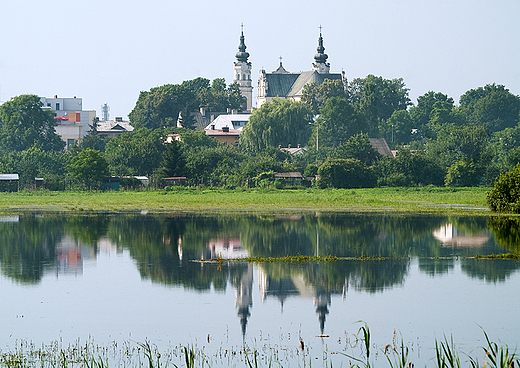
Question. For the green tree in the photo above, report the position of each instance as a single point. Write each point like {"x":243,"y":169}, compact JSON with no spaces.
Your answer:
{"x":456,"y":142}
{"x":315,"y":96}
{"x":357,"y":147}
{"x":135,"y":153}
{"x":462,"y":173}
{"x":398,"y":128}
{"x":279,"y":122}
{"x":173,"y":161}
{"x":160,"y":107}
{"x":421,"y":113}
{"x":377,"y":98}
{"x":89,"y":167}
{"x":345,"y":173}
{"x":505,"y":195}
{"x":338,"y":121}
{"x":491,"y":106}
{"x":23,"y":123}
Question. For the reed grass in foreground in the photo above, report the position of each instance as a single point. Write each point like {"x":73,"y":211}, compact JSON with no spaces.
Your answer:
{"x":359,"y":352}
{"x":422,"y":199}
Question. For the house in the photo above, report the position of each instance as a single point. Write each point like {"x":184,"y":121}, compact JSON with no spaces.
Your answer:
{"x":113,"y":128}
{"x":232,"y":121}
{"x":73,"y":123}
{"x":9,"y":182}
{"x":224,"y":135}
{"x":293,"y":150}
{"x":381,"y":146}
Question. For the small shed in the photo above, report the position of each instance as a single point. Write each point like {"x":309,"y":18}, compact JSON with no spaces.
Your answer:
{"x":9,"y":182}
{"x":111,"y":183}
{"x":290,"y":178}
{"x":175,"y":180}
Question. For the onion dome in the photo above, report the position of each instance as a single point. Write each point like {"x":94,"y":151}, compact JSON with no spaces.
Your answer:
{"x":242,"y":55}
{"x":321,"y":57}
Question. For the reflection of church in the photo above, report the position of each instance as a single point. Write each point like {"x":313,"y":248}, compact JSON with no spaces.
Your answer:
{"x":449,"y":235}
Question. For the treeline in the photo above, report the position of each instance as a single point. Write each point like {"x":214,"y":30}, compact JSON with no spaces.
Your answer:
{"x":437,"y":141}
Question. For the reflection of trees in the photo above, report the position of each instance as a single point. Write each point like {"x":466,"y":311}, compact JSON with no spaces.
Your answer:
{"x":490,"y":270}
{"x":28,"y":246}
{"x":507,"y":232}
{"x":88,"y":229}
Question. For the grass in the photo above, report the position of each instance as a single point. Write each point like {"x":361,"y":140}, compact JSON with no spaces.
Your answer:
{"x":147,"y":354}
{"x":420,"y":199}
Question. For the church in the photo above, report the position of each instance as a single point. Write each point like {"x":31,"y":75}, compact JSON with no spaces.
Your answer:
{"x":280,"y":83}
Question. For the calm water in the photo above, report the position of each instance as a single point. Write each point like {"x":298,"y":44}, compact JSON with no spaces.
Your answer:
{"x":131,"y":278}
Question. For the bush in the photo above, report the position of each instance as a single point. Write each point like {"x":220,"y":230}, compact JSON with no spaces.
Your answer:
{"x":462,"y":173}
{"x":345,"y":173}
{"x":505,"y":196}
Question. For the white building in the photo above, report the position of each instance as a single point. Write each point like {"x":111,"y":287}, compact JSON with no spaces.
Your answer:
{"x":73,"y":122}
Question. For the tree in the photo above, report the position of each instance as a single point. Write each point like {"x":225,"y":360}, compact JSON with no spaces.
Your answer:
{"x":398,"y":129}
{"x":23,"y":123}
{"x":377,"y":98}
{"x":456,"y":142}
{"x":173,"y":161}
{"x":358,"y":147}
{"x":315,"y":96}
{"x":89,"y":167}
{"x":491,"y":106}
{"x":421,"y":113}
{"x":279,"y":122}
{"x":462,"y":173}
{"x":345,"y":173}
{"x":160,"y":107}
{"x":505,"y":195}
{"x":135,"y":153}
{"x":338,"y":121}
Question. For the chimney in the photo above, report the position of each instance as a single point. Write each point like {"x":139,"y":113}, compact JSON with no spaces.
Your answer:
{"x":298,"y":145}
{"x":55,"y":96}
{"x":289,"y":146}
{"x":212,"y":126}
{"x":119,"y":119}
{"x":225,"y":129}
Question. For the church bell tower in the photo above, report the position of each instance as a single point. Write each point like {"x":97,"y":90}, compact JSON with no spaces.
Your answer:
{"x":242,"y":73}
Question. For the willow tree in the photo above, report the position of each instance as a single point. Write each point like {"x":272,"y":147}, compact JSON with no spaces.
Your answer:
{"x":279,"y":122}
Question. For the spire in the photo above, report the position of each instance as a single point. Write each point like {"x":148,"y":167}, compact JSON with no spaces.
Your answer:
{"x":320,"y":57}
{"x":242,"y":55}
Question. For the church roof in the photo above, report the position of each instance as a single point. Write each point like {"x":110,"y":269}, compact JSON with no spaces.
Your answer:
{"x":291,"y":84}
{"x":309,"y":77}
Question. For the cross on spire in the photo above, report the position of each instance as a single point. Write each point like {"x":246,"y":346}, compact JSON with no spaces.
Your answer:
{"x":320,"y":27}
{"x":242,"y":27}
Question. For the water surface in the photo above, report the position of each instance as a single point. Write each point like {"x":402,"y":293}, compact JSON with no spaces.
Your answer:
{"x":132,"y":278}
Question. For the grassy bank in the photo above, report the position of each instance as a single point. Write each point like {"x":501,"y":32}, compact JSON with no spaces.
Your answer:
{"x":424,"y":199}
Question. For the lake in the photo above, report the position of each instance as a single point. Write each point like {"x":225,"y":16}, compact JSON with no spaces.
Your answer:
{"x":124,"y":279}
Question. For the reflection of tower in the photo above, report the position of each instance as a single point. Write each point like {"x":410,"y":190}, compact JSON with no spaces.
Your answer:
{"x":322,"y":301}
{"x":244,"y":297}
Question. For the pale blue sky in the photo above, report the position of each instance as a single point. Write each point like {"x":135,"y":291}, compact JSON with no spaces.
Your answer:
{"x":109,"y":50}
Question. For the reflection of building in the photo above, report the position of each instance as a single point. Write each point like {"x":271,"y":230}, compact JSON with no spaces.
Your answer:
{"x":283,"y":288}
{"x":244,"y":296}
{"x":449,"y":235}
{"x":70,"y":254}
{"x":226,"y":248}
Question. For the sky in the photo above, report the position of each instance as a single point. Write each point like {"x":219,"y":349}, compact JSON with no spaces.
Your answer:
{"x":107,"y":51}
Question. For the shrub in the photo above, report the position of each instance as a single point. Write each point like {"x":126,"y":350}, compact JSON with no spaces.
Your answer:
{"x":345,"y":173}
{"x":505,"y":196}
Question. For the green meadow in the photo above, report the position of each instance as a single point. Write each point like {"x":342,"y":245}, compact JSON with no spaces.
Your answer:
{"x":416,"y":199}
